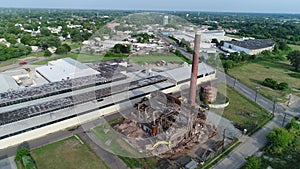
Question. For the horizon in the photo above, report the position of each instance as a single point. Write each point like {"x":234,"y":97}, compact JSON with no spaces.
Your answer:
{"x":152,"y":10}
{"x":219,"y":6}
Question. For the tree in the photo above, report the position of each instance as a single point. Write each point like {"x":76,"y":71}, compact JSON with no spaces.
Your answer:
{"x":67,"y":47}
{"x":119,"y":48}
{"x":61,"y":50}
{"x":283,"y":46}
{"x":283,"y":86}
{"x":47,"y":53}
{"x":294,"y":58}
{"x":253,"y":163}
{"x":280,"y":140}
{"x":45,"y":31}
{"x":20,"y":153}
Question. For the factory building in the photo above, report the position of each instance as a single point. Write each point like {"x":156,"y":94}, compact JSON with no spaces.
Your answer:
{"x":250,"y":46}
{"x":64,"y":69}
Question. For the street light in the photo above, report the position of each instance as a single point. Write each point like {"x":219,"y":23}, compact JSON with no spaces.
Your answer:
{"x":256,"y":91}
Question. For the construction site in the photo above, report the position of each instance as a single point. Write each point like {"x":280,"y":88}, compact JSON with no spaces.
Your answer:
{"x":167,"y":126}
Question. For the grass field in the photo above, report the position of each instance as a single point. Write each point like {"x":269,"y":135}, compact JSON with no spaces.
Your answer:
{"x":153,"y":58}
{"x":233,"y":36}
{"x":80,"y":57}
{"x":68,"y":153}
{"x":252,"y":74}
{"x":242,"y":111}
{"x":149,"y":163}
{"x":295,"y":47}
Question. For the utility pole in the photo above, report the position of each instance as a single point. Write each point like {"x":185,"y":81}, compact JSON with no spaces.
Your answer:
{"x":223,"y":144}
{"x":256,"y":92}
{"x":274,"y":105}
{"x":283,"y":121}
{"x":234,"y":82}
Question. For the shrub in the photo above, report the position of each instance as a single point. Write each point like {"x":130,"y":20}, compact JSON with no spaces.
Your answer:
{"x":20,"y":153}
{"x":47,"y":53}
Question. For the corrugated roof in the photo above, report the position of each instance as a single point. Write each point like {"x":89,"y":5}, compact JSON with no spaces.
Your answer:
{"x":181,"y":74}
{"x":253,"y":43}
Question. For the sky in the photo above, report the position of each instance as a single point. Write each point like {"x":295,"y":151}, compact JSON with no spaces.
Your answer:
{"x":259,"y":6}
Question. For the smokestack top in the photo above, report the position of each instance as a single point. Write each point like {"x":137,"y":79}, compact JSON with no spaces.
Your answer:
{"x":198,"y":32}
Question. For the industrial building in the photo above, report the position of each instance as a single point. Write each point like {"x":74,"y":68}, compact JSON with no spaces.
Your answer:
{"x":63,"y":69}
{"x":34,"y":112}
{"x":249,"y":46}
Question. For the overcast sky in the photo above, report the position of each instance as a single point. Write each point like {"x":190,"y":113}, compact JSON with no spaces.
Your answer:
{"x":264,"y":6}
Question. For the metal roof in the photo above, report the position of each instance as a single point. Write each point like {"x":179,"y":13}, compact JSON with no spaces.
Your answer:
{"x":63,"y":69}
{"x":253,"y":44}
{"x":7,"y":83}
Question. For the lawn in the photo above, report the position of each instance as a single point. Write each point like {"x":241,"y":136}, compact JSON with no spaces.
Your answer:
{"x":149,"y":163}
{"x":85,"y":58}
{"x":68,"y":153}
{"x":252,"y":74}
{"x":233,"y":36}
{"x":241,"y":110}
{"x":295,"y":47}
{"x":153,"y":58}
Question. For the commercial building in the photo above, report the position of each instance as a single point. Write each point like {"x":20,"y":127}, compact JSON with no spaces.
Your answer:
{"x":250,"y":46}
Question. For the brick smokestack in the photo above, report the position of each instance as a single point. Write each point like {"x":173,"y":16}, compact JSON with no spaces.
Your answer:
{"x":193,"y":84}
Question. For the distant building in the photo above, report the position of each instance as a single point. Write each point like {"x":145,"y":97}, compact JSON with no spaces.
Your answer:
{"x":251,"y":46}
{"x":166,"y":20}
{"x":208,"y":92}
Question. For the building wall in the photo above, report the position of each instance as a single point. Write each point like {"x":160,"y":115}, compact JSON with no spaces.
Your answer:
{"x":248,"y":51}
{"x":43,"y":131}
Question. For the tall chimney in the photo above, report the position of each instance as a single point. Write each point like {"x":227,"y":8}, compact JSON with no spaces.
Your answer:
{"x":193,"y":84}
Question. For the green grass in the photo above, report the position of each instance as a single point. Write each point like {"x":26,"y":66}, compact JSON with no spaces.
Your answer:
{"x":242,"y":111}
{"x":68,"y":153}
{"x":149,"y":163}
{"x":233,"y":36}
{"x":85,"y":58}
{"x":252,"y":74}
{"x":295,"y":47}
{"x":153,"y":58}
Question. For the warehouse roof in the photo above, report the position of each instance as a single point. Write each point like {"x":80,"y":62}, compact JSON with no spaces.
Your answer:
{"x":253,"y":43}
{"x":7,"y":83}
{"x":184,"y":73}
{"x":63,"y":69}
